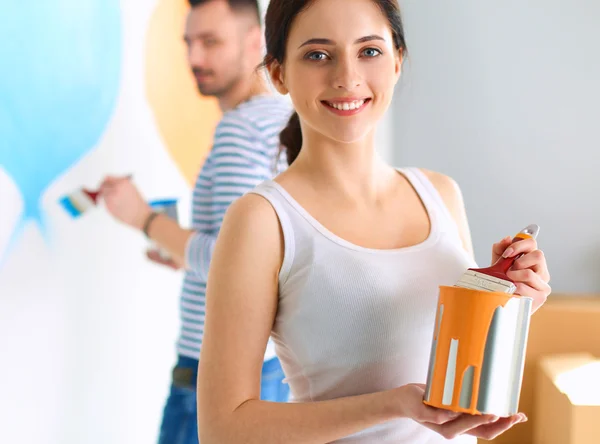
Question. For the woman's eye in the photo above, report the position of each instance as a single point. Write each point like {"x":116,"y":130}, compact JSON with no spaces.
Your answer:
{"x":318,"y":56}
{"x":371,"y":52}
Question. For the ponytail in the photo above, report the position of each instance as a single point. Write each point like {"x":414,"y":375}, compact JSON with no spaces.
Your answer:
{"x":291,"y":138}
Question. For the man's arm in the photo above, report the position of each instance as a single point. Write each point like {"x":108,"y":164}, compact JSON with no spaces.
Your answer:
{"x":170,"y":236}
{"x":239,"y":163}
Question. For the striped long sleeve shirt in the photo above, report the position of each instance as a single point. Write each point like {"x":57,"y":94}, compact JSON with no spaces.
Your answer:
{"x":244,"y":154}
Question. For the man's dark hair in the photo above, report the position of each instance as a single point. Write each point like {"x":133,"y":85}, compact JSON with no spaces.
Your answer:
{"x":236,"y":5}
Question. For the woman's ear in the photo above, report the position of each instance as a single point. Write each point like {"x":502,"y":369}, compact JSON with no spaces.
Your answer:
{"x":277,"y":75}
{"x":398,"y":64}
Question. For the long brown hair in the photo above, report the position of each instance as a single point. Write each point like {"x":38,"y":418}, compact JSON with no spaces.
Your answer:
{"x":278,"y":21}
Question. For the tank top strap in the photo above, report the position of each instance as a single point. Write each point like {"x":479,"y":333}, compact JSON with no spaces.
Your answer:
{"x":432,"y":200}
{"x":271,"y":193}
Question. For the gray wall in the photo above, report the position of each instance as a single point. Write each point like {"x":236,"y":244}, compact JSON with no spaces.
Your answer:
{"x":504,"y":96}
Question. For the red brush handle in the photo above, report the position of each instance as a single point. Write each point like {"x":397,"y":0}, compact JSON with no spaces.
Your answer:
{"x":503,"y":264}
{"x":92,"y":194}
{"x":95,"y":193}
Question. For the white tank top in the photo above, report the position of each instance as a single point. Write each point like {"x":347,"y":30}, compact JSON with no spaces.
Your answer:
{"x":354,"y":320}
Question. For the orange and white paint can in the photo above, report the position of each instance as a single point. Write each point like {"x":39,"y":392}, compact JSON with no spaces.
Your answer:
{"x":478,"y":351}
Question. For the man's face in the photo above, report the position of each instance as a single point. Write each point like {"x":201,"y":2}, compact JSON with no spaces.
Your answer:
{"x":214,"y":35}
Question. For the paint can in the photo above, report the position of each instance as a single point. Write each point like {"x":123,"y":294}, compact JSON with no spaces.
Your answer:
{"x":478,"y":351}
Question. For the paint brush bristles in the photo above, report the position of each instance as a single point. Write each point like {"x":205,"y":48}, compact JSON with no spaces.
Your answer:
{"x":494,"y":278}
{"x":78,"y":202}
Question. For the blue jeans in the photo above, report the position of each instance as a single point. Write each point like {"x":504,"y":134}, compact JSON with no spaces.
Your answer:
{"x":179,"y":424}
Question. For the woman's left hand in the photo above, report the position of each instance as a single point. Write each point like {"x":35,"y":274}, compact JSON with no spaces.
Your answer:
{"x":529,"y":272}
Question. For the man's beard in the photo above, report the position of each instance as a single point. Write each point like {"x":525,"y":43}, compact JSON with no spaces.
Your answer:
{"x":215,"y":90}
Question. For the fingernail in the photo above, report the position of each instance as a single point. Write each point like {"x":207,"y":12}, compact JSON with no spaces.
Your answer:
{"x":508,"y":252}
{"x":493,"y":418}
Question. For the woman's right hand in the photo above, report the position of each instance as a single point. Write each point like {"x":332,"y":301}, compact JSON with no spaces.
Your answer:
{"x":409,"y":401}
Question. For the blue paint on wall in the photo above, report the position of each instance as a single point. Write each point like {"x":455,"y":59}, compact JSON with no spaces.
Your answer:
{"x":60,"y":63}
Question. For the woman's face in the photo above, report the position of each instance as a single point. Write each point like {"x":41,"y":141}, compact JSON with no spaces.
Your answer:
{"x":340,"y":68}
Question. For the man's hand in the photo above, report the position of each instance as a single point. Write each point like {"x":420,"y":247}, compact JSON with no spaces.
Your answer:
{"x":155,"y":257}
{"x":124,"y":201}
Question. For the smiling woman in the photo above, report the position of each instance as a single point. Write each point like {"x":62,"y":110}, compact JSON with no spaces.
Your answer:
{"x":339,"y":258}
{"x":374,"y":50}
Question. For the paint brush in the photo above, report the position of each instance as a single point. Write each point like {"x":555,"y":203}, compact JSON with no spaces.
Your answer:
{"x":494,"y":278}
{"x":81,"y":200}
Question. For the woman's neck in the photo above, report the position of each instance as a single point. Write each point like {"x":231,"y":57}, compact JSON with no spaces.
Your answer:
{"x":352,"y":170}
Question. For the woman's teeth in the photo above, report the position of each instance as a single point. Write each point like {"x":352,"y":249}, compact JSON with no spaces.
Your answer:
{"x":347,"y":106}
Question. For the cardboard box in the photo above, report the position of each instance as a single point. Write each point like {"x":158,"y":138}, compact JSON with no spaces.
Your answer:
{"x":565,"y":324}
{"x":567,"y":400}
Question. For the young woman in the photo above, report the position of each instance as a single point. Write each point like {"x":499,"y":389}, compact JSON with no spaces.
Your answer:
{"x":340,"y":257}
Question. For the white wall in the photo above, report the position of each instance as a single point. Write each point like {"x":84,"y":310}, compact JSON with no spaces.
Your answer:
{"x":505,"y":98}
{"x":87,"y":325}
